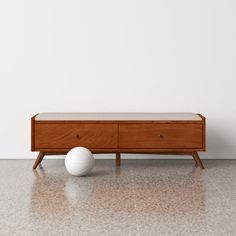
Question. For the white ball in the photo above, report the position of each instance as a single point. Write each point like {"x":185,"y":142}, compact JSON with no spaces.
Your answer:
{"x":79,"y":161}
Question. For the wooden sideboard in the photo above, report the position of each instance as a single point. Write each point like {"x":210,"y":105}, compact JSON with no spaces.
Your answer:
{"x":160,"y":133}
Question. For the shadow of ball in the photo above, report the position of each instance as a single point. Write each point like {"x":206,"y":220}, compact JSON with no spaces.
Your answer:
{"x":79,"y":161}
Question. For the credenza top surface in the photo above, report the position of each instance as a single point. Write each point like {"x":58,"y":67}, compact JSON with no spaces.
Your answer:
{"x":117,"y":116}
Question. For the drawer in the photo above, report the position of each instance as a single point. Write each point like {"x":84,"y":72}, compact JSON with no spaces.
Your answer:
{"x":160,"y":136}
{"x":67,"y":136}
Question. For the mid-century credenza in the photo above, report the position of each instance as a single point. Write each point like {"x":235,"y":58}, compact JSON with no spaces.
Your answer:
{"x":161,"y":133}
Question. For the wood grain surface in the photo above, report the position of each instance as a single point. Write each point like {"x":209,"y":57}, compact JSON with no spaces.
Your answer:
{"x":160,"y":136}
{"x":59,"y":136}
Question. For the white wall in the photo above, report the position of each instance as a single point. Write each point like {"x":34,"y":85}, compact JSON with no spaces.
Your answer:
{"x":122,"y":55}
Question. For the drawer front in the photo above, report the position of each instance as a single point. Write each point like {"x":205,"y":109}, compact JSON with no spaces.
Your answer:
{"x":63,"y":136}
{"x":160,"y":136}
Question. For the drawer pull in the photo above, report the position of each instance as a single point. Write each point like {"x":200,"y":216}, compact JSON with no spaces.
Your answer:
{"x":77,"y":136}
{"x":161,"y":136}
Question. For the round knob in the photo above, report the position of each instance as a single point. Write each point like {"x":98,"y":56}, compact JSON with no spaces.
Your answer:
{"x":161,"y":136}
{"x":77,"y":136}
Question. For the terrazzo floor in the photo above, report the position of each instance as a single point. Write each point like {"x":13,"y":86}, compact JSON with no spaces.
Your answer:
{"x":142,"y":197}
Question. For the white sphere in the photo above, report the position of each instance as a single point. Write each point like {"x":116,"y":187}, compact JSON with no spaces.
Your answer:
{"x":79,"y":161}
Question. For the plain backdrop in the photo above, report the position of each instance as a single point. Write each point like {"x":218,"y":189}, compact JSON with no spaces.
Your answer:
{"x":122,"y":55}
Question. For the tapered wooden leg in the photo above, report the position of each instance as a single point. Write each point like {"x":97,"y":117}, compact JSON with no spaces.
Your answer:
{"x":38,"y":160}
{"x":198,"y":160}
{"x":117,"y":159}
{"x":196,"y":164}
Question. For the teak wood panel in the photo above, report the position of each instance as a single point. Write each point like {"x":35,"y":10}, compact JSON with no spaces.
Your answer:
{"x":67,"y":136}
{"x":179,"y":136}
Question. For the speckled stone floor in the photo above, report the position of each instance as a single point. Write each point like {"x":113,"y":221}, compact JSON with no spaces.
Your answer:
{"x":142,"y":197}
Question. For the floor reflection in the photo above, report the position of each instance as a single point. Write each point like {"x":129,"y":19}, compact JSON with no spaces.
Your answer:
{"x":181,"y":194}
{"x":142,"y":197}
{"x":54,"y":195}
{"x":177,"y":195}
{"x":78,"y":193}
